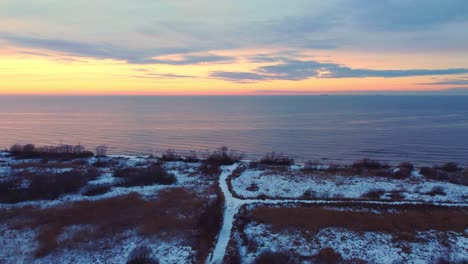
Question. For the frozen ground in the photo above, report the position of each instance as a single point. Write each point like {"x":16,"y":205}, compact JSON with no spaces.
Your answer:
{"x":295,"y":184}
{"x":18,"y":247}
{"x":373,"y":247}
{"x":252,"y":187}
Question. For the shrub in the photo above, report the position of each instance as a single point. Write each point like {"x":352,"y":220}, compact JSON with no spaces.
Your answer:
{"x":154,"y":174}
{"x":450,"y":167}
{"x":402,"y":173}
{"x":16,"y":149}
{"x":436,"y":190}
{"x":428,"y":172}
{"x":223,"y":156}
{"x":274,"y":158}
{"x":46,"y":186}
{"x":406,"y":165}
{"x":211,"y":165}
{"x":170,"y":155}
{"x":101,"y":150}
{"x":96,"y":189}
{"x":434,"y":173}
{"x":141,"y":255}
{"x":397,"y":195}
{"x":29,"y":148}
{"x":328,"y":256}
{"x":367,"y":164}
{"x":269,"y":257}
{"x":374,"y":194}
{"x":192,"y":157}
{"x":252,"y":188}
{"x":62,"y":152}
{"x":309,"y":194}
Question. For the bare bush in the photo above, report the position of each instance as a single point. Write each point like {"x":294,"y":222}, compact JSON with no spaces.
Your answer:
{"x":62,"y":152}
{"x":46,"y":185}
{"x":270,"y":257}
{"x":101,"y":150}
{"x":328,"y":256}
{"x":274,"y":158}
{"x":402,"y":173}
{"x":368,"y":164}
{"x":154,"y":174}
{"x":450,"y":167}
{"x":434,"y":174}
{"x":374,"y":194}
{"x":407,"y":165}
{"x":221,"y":157}
{"x":252,"y":188}
{"x":141,"y":255}
{"x":170,"y":155}
{"x":437,"y":190}
{"x":96,"y":189}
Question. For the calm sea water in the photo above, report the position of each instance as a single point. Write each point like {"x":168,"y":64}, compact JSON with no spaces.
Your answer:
{"x":422,"y":129}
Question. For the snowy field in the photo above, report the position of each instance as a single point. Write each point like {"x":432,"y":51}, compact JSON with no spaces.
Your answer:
{"x":298,"y":244}
{"x":295,"y":184}
{"x":144,"y":207}
{"x":20,"y":244}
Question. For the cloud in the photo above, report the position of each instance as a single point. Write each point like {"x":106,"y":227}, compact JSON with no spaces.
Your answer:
{"x":163,"y":76}
{"x":295,"y":70}
{"x":108,"y":51}
{"x":196,"y":59}
{"x":450,"y":91}
{"x":407,"y":15}
{"x":459,"y":81}
{"x":240,"y":77}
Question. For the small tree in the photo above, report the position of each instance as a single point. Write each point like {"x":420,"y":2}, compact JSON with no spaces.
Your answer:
{"x":101,"y":150}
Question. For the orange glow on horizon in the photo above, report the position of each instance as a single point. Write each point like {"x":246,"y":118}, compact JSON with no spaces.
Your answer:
{"x":27,"y":72}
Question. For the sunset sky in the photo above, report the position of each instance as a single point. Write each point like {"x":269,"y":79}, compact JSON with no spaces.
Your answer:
{"x":190,"y":47}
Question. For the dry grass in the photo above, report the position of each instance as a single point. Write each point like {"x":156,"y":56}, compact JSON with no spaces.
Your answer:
{"x":44,"y":185}
{"x":154,"y":174}
{"x":422,"y":218}
{"x":175,"y":211}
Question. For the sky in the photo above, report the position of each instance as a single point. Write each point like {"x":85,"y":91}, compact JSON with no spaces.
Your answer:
{"x":232,"y":47}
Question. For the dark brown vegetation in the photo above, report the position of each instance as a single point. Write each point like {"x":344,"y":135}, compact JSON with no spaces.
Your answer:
{"x":276,"y":258}
{"x":437,"y":190}
{"x":374,"y":194}
{"x":141,"y":255}
{"x":170,"y":155}
{"x":405,"y":220}
{"x":368,"y":164}
{"x":274,"y":158}
{"x":450,"y":167}
{"x":221,"y":157}
{"x":154,"y":174}
{"x":61,"y":152}
{"x":44,"y":185}
{"x":449,"y":172}
{"x":325,"y":256}
{"x":96,"y":189}
{"x":173,"y":212}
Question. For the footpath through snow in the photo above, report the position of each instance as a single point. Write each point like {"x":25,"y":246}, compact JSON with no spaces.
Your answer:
{"x":233,"y":204}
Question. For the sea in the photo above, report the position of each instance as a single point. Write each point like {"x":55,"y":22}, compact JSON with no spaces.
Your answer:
{"x":331,"y":129}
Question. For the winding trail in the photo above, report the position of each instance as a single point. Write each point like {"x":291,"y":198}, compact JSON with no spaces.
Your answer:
{"x":232,"y":205}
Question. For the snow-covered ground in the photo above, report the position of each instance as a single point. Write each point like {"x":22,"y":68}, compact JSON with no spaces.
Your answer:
{"x":295,"y":184}
{"x":251,"y":187}
{"x":18,"y":247}
{"x":185,"y":174}
{"x":372,"y":247}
